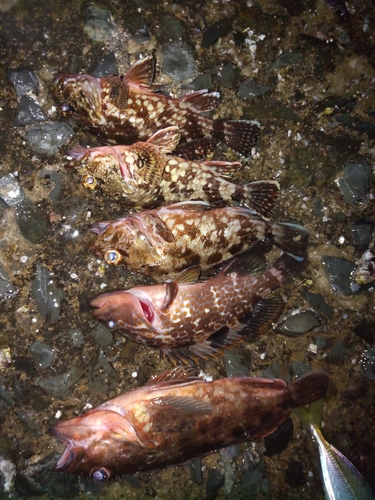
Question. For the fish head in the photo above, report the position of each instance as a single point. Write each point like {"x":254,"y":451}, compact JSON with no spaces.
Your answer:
{"x":135,"y":313}
{"x":80,"y":95}
{"x":94,"y":441}
{"x":125,"y":241}
{"x":99,"y":168}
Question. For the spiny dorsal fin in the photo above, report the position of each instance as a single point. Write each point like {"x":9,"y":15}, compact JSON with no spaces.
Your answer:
{"x":166,"y":139}
{"x":202,"y":100}
{"x":224,"y":168}
{"x":249,"y":263}
{"x":179,"y":374}
{"x":261,"y":319}
{"x":142,"y":73}
{"x":188,"y":276}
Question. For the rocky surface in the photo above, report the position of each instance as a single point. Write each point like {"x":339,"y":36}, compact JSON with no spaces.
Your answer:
{"x":305,"y":71}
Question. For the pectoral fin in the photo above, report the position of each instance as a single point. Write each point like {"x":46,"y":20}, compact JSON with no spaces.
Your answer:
{"x":166,"y":139}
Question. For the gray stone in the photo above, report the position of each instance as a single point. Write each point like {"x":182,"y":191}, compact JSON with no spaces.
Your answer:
{"x":76,"y":336}
{"x":28,"y":111}
{"x":23,"y":81}
{"x":287,"y":59}
{"x":362,"y":232}
{"x":10,"y":190}
{"x":98,"y":23}
{"x":298,"y":324}
{"x":32,"y":221}
{"x":49,"y":137}
{"x":228,"y":76}
{"x":354,"y":181}
{"x":46,"y":294}
{"x":249,"y":90}
{"x":178,"y":62}
{"x":42,"y":353}
{"x":59,"y":385}
{"x":339,"y":273}
{"x":56,"y":178}
{"x":103,"y":336}
{"x":108,"y":66}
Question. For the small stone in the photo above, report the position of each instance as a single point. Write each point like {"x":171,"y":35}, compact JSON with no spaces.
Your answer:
{"x":298,"y":324}
{"x":59,"y":385}
{"x":278,"y":441}
{"x":28,"y":111}
{"x":98,"y":26}
{"x":228,"y":76}
{"x":10,"y":190}
{"x":42,"y":353}
{"x":23,"y":81}
{"x":287,"y":59}
{"x":46,"y":294}
{"x":32,"y":221}
{"x":215,"y":481}
{"x":56,"y":179}
{"x":216,"y":31}
{"x":354,"y":182}
{"x":318,"y":303}
{"x":76,"y":336}
{"x":103,"y":336}
{"x":362,"y":231}
{"x":249,"y":90}
{"x":178,"y":62}
{"x":108,"y":66}
{"x":339,"y":273}
{"x":49,"y":137}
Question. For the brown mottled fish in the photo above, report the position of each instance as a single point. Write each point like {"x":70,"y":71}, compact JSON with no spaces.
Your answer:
{"x":177,"y":417}
{"x":125,"y":109}
{"x":144,"y":175}
{"x":162,"y":242}
{"x":189,"y":320}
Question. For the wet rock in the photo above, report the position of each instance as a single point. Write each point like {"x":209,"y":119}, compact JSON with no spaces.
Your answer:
{"x":228,"y":76}
{"x":6,"y":397}
{"x":299,"y":368}
{"x":203,"y":81}
{"x":339,"y":272}
{"x":103,"y":336}
{"x":318,"y":303}
{"x":233,"y":365}
{"x":195,"y":468}
{"x":367,"y":362}
{"x":98,"y":23}
{"x":362,"y":127}
{"x":46,"y":293}
{"x":42,"y":353}
{"x":56,"y":179}
{"x":60,"y":385}
{"x":287,"y":59}
{"x":278,"y":441}
{"x":215,"y":481}
{"x":354,"y":181}
{"x":321,"y":343}
{"x":216,"y":31}
{"x":337,"y":353}
{"x":103,"y":377}
{"x":298,"y":324}
{"x":10,"y":190}
{"x":178,"y":62}
{"x":7,"y":290}
{"x":276,"y":370}
{"x":366,"y":331}
{"x":108,"y":66}
{"x":23,"y":81}
{"x":28,"y":111}
{"x":171,"y":30}
{"x":49,"y":137}
{"x":249,"y":90}
{"x":76,"y":336}
{"x":252,"y":477}
{"x":229,"y":475}
{"x":362,"y":231}
{"x":32,"y":221}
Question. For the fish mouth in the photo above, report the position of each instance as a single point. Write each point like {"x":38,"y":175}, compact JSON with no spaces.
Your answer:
{"x":69,"y":455}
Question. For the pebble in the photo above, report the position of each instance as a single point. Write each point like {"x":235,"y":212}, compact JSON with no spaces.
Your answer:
{"x":23,"y":81}
{"x":98,"y":23}
{"x":354,"y":182}
{"x":339,"y":272}
{"x":28,"y":111}
{"x":49,"y":137}
{"x":76,"y":336}
{"x":287,"y":59}
{"x":278,"y":441}
{"x":318,"y":303}
{"x":215,"y":481}
{"x":216,"y":31}
{"x":56,"y":179}
{"x":32,"y":221}
{"x":362,"y":233}
{"x":228,"y":76}
{"x":108,"y":66}
{"x":46,"y":294}
{"x":10,"y":190}
{"x":42,"y":353}
{"x":298,"y":324}
{"x":103,"y":336}
{"x":249,"y":90}
{"x":178,"y":62}
{"x":59,"y":385}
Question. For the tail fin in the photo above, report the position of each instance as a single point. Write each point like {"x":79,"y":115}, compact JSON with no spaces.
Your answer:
{"x":259,"y":196}
{"x":240,"y":135}
{"x":309,"y":388}
{"x":287,"y":267}
{"x":290,"y":238}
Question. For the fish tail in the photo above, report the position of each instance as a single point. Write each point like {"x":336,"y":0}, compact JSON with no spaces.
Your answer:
{"x":239,"y":135}
{"x":285,"y":268}
{"x":260,"y":196}
{"x":309,"y":388}
{"x":291,"y":238}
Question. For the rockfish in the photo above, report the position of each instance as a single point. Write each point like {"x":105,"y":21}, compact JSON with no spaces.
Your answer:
{"x":145,"y":176}
{"x":189,"y":320}
{"x":125,"y":109}
{"x":177,"y":417}
{"x":162,"y":242}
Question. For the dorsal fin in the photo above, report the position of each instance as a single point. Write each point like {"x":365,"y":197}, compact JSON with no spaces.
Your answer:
{"x":202,"y":100}
{"x":179,"y":374}
{"x":166,"y":139}
{"x":188,"y":276}
{"x":142,"y":73}
{"x":162,"y":229}
{"x":250,"y":263}
{"x":224,"y":168}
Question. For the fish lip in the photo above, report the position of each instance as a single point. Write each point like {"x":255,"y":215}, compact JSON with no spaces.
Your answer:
{"x":67,"y":456}
{"x":133,"y":302}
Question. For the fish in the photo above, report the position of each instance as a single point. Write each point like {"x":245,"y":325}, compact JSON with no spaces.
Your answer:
{"x":144,"y":175}
{"x":126,"y":109}
{"x":341,"y":480}
{"x":188,"y":320}
{"x":177,"y":417}
{"x":161,"y":243}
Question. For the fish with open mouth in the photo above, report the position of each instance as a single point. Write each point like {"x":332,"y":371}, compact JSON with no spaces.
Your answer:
{"x":177,"y":417}
{"x":187,"y":320}
{"x":125,"y":109}
{"x":162,"y":242}
{"x":144,"y":175}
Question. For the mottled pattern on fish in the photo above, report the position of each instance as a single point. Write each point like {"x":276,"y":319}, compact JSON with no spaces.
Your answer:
{"x":162,"y":242}
{"x":145,"y":176}
{"x":124,"y":110}
{"x":190,"y":320}
{"x":178,"y":417}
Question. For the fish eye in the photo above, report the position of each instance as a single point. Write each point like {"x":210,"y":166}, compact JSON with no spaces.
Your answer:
{"x":112,"y":257}
{"x":100,"y":474}
{"x":66,"y":109}
{"x":89,"y":182}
